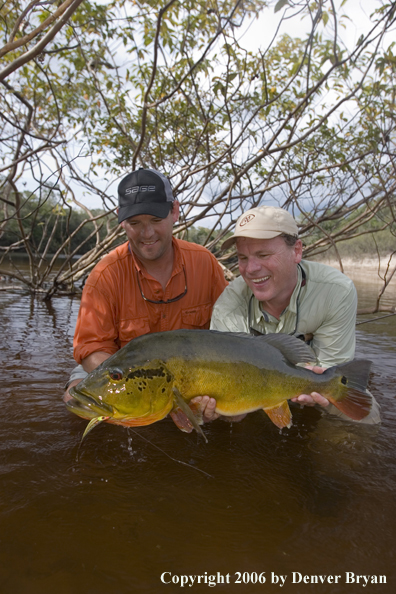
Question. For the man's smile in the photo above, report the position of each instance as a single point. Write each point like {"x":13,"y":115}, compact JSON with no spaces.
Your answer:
{"x":256,"y":281}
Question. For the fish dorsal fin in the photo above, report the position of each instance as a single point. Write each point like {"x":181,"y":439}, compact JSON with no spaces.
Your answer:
{"x":292,"y":348}
{"x":186,"y":410}
{"x":280,"y":414}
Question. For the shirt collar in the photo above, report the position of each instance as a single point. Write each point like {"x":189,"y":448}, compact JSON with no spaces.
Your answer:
{"x":296,"y":293}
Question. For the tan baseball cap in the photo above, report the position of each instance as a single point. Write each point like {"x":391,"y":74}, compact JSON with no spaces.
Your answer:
{"x":263,"y":222}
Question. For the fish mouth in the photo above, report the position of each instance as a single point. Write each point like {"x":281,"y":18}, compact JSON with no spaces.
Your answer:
{"x":84,"y":405}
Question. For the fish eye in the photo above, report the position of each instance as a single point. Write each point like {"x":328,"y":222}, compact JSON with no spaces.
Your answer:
{"x":116,"y":374}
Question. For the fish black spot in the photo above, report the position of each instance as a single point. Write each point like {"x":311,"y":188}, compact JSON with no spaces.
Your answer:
{"x":168,"y":378}
{"x":135,"y":374}
{"x":163,"y":390}
{"x":147,"y":373}
{"x":344,"y":380}
{"x":140,"y":389}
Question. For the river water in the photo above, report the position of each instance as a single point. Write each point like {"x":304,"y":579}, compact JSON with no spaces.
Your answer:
{"x":316,"y":500}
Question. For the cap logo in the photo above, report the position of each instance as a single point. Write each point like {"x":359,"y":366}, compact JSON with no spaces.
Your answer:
{"x":246,"y":220}
{"x":136,"y":189}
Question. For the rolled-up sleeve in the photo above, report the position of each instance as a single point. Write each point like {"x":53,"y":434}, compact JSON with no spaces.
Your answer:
{"x":96,"y":328}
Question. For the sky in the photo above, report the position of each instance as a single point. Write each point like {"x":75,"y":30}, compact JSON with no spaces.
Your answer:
{"x":260,"y":30}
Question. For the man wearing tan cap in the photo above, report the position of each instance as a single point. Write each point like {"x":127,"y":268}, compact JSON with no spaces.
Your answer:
{"x":278,"y":292}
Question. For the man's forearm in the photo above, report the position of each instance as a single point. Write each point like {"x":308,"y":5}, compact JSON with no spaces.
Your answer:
{"x":93,"y":360}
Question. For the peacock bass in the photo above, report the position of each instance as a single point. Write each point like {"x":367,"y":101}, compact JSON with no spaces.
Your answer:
{"x":158,"y":374}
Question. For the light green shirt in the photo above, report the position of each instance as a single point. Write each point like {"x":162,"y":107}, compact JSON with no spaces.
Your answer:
{"x":323,"y":304}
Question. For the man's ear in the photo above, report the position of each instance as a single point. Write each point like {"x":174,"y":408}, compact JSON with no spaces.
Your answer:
{"x":298,"y":250}
{"x":175,"y":211}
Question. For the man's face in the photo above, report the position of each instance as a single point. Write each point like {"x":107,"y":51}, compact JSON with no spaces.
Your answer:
{"x":150,"y":237}
{"x":269,"y":268}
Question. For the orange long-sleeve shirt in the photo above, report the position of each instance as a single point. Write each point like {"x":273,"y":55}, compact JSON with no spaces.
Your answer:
{"x":113,"y":311}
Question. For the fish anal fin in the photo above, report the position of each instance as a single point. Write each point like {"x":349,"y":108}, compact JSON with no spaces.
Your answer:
{"x":182,"y":405}
{"x":280,"y":414}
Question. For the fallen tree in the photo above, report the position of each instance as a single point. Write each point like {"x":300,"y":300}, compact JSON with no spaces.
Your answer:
{"x":307,"y":123}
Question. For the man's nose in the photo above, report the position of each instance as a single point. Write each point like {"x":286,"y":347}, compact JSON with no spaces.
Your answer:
{"x":147,"y":231}
{"x":253,"y":265}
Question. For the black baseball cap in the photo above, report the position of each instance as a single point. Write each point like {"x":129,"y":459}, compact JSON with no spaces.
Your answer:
{"x":144,"y":191}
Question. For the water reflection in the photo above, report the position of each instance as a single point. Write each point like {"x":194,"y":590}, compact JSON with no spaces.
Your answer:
{"x":317,"y":499}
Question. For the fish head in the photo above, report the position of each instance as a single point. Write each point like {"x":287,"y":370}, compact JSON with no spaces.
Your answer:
{"x":126,"y":395}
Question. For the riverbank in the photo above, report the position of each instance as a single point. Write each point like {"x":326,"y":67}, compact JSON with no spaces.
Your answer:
{"x":363,"y":265}
{"x":368,"y":274}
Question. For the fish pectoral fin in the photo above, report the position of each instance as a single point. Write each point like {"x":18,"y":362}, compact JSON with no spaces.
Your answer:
{"x":183,"y":407}
{"x":195,"y":408}
{"x":181,"y":420}
{"x":280,"y":414}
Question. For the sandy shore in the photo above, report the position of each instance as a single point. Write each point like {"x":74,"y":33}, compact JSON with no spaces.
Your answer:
{"x":361,"y":266}
{"x":368,"y":275}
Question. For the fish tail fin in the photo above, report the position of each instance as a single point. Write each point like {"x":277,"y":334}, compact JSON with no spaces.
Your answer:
{"x":354,"y":400}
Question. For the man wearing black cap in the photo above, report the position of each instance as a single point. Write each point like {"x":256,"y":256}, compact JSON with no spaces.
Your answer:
{"x":151,"y":283}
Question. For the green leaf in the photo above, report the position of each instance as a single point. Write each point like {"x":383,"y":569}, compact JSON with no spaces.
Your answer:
{"x":360,"y":40}
{"x":280,"y":4}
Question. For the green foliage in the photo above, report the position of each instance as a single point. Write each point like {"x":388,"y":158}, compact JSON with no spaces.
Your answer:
{"x":375,"y":236}
{"x":381,"y":242}
{"x":200,"y":235}
{"x":46,"y":220}
{"x":203,"y":236}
